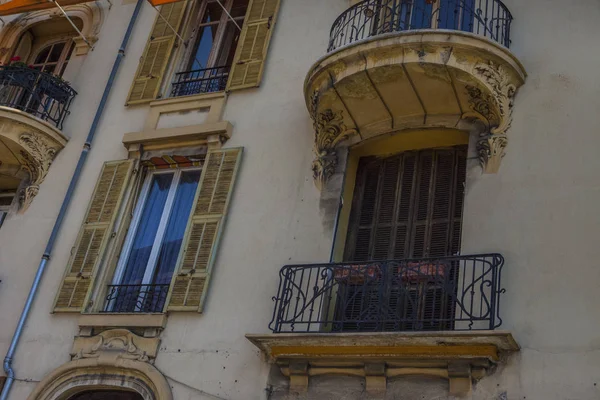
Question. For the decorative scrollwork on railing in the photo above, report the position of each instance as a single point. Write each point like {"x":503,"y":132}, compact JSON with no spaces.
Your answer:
{"x":205,"y":80}
{"x":136,"y":298}
{"x":37,"y":93}
{"x":448,"y":293}
{"x":369,"y":18}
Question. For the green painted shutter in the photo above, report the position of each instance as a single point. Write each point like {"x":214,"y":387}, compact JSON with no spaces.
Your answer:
{"x":155,"y":59}
{"x":249,"y":60}
{"x":199,"y":248}
{"x":93,"y":236}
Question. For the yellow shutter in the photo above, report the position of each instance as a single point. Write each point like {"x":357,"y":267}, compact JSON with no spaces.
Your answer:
{"x":199,"y":248}
{"x":249,"y":60}
{"x":93,"y":236}
{"x":155,"y":59}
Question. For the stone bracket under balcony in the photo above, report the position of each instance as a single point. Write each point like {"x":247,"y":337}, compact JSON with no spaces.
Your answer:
{"x":411,"y":80}
{"x":28,"y":147}
{"x":459,"y":357}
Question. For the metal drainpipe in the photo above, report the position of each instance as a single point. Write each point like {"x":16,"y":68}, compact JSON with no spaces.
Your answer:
{"x":10,"y":373}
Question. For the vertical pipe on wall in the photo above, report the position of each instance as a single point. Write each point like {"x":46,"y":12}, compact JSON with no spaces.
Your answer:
{"x":10,"y":373}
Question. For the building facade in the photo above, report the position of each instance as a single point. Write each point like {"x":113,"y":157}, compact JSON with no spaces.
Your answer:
{"x":299,"y":199}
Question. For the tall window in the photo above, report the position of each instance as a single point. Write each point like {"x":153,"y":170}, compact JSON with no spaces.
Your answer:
{"x":408,"y":206}
{"x":150,"y":252}
{"x":211,"y":47}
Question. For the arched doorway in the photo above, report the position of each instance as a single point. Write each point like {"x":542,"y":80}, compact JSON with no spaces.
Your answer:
{"x":106,"y":395}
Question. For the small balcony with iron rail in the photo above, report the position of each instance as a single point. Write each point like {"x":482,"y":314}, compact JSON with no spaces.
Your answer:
{"x":387,"y":319}
{"x":33,"y":108}
{"x":394,"y":65}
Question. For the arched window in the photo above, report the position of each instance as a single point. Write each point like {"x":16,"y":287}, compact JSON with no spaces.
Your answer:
{"x":48,"y":45}
{"x":54,"y":57}
{"x":106,"y":395}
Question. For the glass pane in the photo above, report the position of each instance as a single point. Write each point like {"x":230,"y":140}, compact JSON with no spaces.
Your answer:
{"x":230,"y":39}
{"x":213,"y":13}
{"x":146,"y":230}
{"x":41,"y":57}
{"x":49,"y":68}
{"x":205,"y":44}
{"x":182,"y":205}
{"x":56,"y":52}
{"x":239,"y":8}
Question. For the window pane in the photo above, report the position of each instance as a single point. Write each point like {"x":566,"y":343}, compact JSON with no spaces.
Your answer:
{"x":230,"y":39}
{"x":205,"y":43}
{"x":56,"y":52}
{"x":213,"y":13}
{"x":147,"y":228}
{"x":175,"y":230}
{"x":41,"y":57}
{"x":239,"y":8}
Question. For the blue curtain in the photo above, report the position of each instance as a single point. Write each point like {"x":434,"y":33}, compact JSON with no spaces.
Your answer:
{"x":421,"y":15}
{"x":467,"y":21}
{"x":449,"y":13}
{"x":175,"y":230}
{"x":146,"y":230}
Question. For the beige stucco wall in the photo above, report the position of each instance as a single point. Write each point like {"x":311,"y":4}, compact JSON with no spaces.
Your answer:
{"x":539,"y":211}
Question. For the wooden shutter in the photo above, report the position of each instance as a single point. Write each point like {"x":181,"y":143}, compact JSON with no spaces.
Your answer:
{"x":407,"y":206}
{"x":199,"y":247}
{"x":155,"y":59}
{"x":249,"y":60}
{"x":93,"y":236}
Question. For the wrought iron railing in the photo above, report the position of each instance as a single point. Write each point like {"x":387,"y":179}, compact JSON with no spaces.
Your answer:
{"x":368,"y":18}
{"x":136,"y":298}
{"x":37,"y":93}
{"x":437,"y":294}
{"x":198,"y":81}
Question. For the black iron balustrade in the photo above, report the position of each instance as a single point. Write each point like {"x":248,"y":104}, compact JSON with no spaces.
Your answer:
{"x":37,"y":93}
{"x":206,"y":80}
{"x":368,"y":18}
{"x":436,"y":294}
{"x":136,"y":298}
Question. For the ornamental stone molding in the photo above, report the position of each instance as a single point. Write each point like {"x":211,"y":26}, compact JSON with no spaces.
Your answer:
{"x":116,"y":344}
{"x":91,"y":14}
{"x":460,"y":357}
{"x":330,"y":131}
{"x":113,"y":359}
{"x":29,"y":145}
{"x":412,"y":80}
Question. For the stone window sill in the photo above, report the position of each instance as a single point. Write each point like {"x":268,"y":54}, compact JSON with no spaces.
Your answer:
{"x":107,"y":320}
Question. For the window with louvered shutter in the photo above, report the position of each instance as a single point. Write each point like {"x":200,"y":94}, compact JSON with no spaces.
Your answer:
{"x":93,"y":236}
{"x":407,"y":206}
{"x":249,"y":59}
{"x":200,"y":244}
{"x":155,"y":58}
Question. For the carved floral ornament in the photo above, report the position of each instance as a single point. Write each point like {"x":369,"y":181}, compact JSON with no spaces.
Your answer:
{"x":490,"y":99}
{"x":496,"y":107}
{"x":116,"y":344}
{"x":37,"y":156}
{"x":330,"y":131}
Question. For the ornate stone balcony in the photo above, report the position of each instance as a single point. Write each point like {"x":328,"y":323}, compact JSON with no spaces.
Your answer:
{"x":415,"y":64}
{"x":33,"y":106}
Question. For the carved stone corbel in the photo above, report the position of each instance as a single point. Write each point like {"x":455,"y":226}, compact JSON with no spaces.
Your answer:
{"x":330,"y":131}
{"x":38,"y":155}
{"x":497,"y":108}
{"x":81,"y":47}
